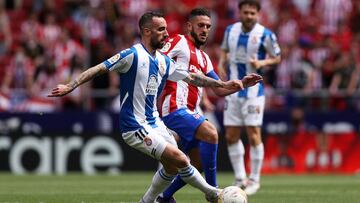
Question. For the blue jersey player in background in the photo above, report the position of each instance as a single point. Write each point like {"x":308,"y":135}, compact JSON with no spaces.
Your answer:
{"x":246,"y":48}
{"x":143,"y":71}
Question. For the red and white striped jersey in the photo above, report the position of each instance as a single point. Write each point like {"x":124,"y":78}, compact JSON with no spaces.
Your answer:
{"x":180,"y":94}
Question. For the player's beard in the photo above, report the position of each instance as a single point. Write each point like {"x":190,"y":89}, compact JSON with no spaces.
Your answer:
{"x":249,"y":24}
{"x":157,"y":44}
{"x":198,"y":42}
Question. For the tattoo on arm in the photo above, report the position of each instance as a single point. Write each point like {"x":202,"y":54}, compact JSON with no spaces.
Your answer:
{"x":201,"y":80}
{"x":88,"y":75}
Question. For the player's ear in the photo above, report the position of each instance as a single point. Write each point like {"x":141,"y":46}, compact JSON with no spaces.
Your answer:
{"x":147,"y":31}
{"x":188,"y":26}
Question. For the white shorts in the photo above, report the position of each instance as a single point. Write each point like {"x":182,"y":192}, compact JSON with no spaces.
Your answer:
{"x":241,"y":111}
{"x":151,"y":141}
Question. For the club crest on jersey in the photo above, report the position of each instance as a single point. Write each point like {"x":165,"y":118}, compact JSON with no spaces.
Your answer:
{"x":254,"y":40}
{"x":152,"y":85}
{"x":148,"y":141}
{"x":161,"y":68}
{"x":114,"y":58}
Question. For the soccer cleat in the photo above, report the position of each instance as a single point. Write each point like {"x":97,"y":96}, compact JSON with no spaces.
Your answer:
{"x":251,"y":187}
{"x":240,"y":183}
{"x":213,"y":197}
{"x":160,"y":199}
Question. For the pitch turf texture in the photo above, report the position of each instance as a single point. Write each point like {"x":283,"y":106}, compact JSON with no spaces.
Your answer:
{"x":128,"y":187}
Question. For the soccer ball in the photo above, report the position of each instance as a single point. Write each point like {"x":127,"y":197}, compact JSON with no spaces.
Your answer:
{"x":232,"y":194}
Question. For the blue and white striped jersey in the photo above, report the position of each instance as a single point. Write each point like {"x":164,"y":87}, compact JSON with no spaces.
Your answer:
{"x":242,"y":47}
{"x":142,"y":78}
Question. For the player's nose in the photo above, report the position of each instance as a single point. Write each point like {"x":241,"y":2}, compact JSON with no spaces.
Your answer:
{"x":166,"y":34}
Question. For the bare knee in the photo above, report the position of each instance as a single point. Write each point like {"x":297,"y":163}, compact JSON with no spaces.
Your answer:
{"x":254,"y":135}
{"x":173,"y":156}
{"x":232,"y":135}
{"x":182,"y":161}
{"x":213,"y":136}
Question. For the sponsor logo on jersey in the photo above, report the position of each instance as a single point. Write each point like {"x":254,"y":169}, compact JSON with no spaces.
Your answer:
{"x":193,"y":69}
{"x":114,"y":58}
{"x":166,"y":47}
{"x":152,"y":85}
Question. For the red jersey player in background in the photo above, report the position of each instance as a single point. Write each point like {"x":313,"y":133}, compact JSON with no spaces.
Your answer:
{"x":180,"y":101}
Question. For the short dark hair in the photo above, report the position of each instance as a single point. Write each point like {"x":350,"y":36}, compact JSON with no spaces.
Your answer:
{"x":146,"y":19}
{"x":198,"y":12}
{"x":251,"y":3}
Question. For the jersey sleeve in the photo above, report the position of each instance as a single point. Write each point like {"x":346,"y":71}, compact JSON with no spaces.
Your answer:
{"x":225,"y":42}
{"x":120,"y":62}
{"x":271,"y":45}
{"x":177,"y":71}
{"x":210,"y":68}
{"x":213,"y":75}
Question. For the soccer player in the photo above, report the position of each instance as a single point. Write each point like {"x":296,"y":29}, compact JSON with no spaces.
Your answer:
{"x":180,"y":101}
{"x":143,"y":71}
{"x":244,"y":50}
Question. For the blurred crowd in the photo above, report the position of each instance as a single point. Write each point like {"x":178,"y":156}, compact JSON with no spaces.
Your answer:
{"x":46,"y":42}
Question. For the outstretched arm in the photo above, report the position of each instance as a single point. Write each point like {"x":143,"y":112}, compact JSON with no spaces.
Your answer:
{"x":201,"y":80}
{"x":247,"y":81}
{"x":85,"y":76}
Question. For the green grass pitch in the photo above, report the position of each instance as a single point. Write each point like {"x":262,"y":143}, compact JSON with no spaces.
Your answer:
{"x":128,"y":187}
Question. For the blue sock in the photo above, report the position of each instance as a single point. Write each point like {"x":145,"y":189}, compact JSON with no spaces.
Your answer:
{"x":208,"y":154}
{"x":175,"y":186}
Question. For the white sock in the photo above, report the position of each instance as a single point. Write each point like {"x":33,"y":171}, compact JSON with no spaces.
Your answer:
{"x":256,"y":157}
{"x":160,"y":182}
{"x":236,"y":155}
{"x":192,"y":176}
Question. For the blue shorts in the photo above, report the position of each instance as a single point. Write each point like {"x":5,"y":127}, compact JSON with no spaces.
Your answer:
{"x":185,"y":123}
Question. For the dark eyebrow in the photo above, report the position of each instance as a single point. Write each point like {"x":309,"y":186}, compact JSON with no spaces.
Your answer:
{"x":204,"y":24}
{"x":161,"y":28}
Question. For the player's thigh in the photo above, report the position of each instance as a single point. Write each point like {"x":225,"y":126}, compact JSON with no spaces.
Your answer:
{"x":207,"y":133}
{"x":233,"y":113}
{"x":184,"y":122}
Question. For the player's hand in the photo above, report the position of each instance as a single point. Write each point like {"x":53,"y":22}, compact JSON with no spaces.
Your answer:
{"x":251,"y":80}
{"x":255,"y":63}
{"x":60,"y":90}
{"x":234,"y":84}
